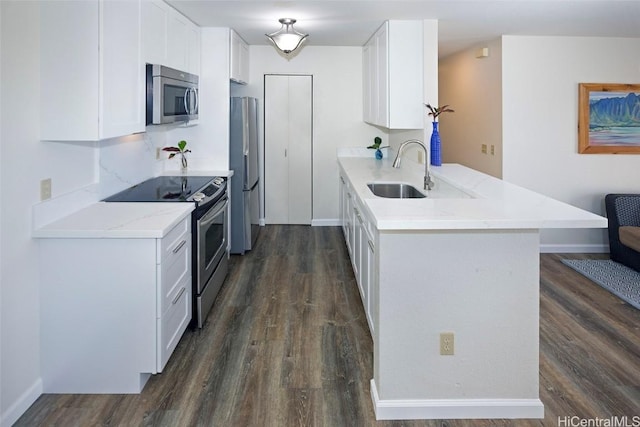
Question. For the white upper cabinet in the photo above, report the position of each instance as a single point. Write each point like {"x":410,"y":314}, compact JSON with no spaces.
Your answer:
{"x":193,"y":49}
{"x":393,"y":76}
{"x":154,"y":32}
{"x":239,"y":59}
{"x":168,"y":38}
{"x":92,"y":81}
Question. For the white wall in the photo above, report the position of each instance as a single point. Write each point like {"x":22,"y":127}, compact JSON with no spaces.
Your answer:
{"x":337,"y":111}
{"x":25,"y":160}
{"x":473,"y":88}
{"x":540,"y":77}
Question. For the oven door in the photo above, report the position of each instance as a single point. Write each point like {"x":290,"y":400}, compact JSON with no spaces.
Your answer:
{"x":211,"y":230}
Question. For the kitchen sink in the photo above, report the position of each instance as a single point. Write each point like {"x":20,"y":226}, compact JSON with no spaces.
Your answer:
{"x":395,"y":190}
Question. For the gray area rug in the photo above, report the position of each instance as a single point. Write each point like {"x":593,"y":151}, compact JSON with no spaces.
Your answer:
{"x":618,"y":279}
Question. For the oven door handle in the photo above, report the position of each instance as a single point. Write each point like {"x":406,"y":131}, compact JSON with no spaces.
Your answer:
{"x":213,"y":212}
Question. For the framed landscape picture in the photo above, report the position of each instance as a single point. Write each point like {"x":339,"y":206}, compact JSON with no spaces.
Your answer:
{"x":608,"y":118}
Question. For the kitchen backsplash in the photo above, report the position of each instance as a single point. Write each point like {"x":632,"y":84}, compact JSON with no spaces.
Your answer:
{"x":119,"y":164}
{"x":126,"y":161}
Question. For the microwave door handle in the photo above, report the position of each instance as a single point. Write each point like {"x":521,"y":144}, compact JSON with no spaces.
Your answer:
{"x":186,"y":100}
{"x":195,"y":96}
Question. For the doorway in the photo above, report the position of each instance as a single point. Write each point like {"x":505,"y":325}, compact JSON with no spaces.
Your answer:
{"x":288,"y":141}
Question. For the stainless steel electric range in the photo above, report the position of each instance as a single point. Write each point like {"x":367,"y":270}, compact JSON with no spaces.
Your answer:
{"x":208,"y":227}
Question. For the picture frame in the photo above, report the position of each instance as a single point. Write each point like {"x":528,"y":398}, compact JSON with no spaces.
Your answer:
{"x":608,"y":118}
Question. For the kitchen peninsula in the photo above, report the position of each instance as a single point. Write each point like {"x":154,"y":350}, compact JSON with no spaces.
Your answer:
{"x":450,"y":286}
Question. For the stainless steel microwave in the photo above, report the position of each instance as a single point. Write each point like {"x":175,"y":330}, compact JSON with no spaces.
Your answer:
{"x":172,"y":95}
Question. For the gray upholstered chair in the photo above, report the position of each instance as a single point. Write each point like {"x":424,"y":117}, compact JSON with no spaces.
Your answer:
{"x":623,"y":212}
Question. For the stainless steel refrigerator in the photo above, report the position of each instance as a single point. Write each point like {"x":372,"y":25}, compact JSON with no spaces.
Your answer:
{"x":243,"y":160}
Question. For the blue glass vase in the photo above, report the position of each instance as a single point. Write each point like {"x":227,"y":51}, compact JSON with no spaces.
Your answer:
{"x":378,"y":154}
{"x":436,"y":153}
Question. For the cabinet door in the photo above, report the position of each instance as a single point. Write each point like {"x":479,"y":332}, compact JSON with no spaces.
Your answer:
{"x":360,"y":255}
{"x":69,"y":71}
{"x":343,"y":205}
{"x":91,"y":74}
{"x":372,"y":286}
{"x":367,"y":81}
{"x":405,"y":75}
{"x":239,"y":59}
{"x":193,"y":49}
{"x":154,"y":32}
{"x":122,"y":71}
{"x":349,"y":223}
{"x":177,"y":40}
{"x":382,"y":77}
{"x":393,"y":75}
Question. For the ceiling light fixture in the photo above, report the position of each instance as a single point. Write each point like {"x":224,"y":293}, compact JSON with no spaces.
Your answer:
{"x":287,"y":39}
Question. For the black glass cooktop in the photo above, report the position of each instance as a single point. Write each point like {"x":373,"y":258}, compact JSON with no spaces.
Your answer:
{"x":162,"y":189}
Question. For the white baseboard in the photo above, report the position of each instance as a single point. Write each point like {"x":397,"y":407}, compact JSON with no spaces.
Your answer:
{"x":438,"y":409}
{"x":325,"y":222}
{"x":574,"y":249}
{"x":21,"y":405}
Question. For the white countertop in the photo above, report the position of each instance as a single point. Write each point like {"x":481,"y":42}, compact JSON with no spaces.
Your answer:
{"x":462,"y":199}
{"x":118,"y":220}
{"x":80,"y":215}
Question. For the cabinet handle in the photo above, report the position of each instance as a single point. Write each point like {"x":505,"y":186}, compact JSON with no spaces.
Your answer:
{"x":373,"y":249}
{"x":175,"y":300}
{"x":358,"y":215}
{"x":342,"y":179}
{"x":177,"y":248}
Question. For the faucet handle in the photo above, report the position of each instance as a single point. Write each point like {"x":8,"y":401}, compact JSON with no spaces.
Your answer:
{"x":428,"y":183}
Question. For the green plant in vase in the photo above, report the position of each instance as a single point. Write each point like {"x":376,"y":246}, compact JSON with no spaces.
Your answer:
{"x":377,"y":141}
{"x":181,"y":149}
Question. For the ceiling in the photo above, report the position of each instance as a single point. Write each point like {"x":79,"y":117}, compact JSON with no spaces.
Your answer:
{"x":462,"y":23}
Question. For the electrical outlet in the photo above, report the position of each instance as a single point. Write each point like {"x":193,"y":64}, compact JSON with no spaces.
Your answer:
{"x":446,"y":344}
{"x":45,"y":189}
{"x":483,"y":148}
{"x":420,"y":157}
{"x":158,"y":153}
{"x":493,"y":149}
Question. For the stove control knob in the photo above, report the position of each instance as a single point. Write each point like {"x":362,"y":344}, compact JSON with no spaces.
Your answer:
{"x":198,"y":196}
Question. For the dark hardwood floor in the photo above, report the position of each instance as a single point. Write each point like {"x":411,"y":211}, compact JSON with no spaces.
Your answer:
{"x":287,"y":344}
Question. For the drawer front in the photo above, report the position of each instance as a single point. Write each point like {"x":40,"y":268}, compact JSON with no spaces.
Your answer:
{"x":168,"y":245}
{"x":175,"y":265}
{"x":173,"y":322}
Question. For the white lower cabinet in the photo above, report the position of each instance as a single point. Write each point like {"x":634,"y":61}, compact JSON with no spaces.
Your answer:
{"x":360,"y":239}
{"x":112,"y":309}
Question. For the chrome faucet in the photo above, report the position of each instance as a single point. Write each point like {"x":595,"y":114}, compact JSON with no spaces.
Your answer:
{"x":428,"y":183}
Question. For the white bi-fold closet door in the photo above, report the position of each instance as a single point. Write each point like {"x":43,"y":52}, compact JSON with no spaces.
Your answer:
{"x":288,"y":121}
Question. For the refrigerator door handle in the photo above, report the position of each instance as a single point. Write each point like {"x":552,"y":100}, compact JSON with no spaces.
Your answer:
{"x":245,"y":178}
